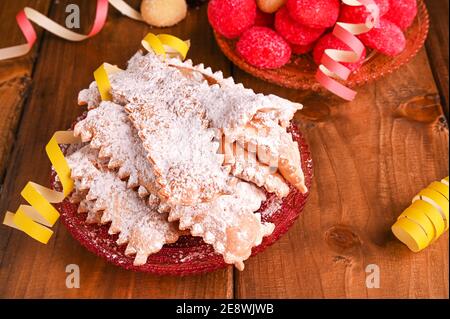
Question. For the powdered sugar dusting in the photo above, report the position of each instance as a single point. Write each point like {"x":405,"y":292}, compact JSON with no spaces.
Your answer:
{"x":138,"y":224}
{"x":228,"y":223}
{"x":109,"y":130}
{"x":271,"y":206}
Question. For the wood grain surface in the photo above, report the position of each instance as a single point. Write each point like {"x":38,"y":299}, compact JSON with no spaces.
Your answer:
{"x":371,"y":157}
{"x":15,"y":74}
{"x":437,"y":47}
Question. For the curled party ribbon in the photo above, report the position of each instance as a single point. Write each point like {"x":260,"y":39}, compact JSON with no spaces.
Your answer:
{"x":37,"y":218}
{"x":331,"y":67}
{"x":163,"y":44}
{"x":426,"y":219}
{"x":28,"y":15}
{"x":101,"y":77}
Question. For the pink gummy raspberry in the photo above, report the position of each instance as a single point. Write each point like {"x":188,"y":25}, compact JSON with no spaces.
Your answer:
{"x":402,"y":13}
{"x":264,"y":48}
{"x":231,"y":17}
{"x":314,"y":13}
{"x":301,"y":49}
{"x":387,"y":38}
{"x":294,"y":32}
{"x":359,"y":14}
{"x":329,"y":41}
{"x":264,"y":19}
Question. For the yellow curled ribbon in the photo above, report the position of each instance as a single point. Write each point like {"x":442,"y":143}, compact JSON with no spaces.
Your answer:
{"x":36,"y":218}
{"x":102,"y":80}
{"x":161,"y":44}
{"x":426,"y":219}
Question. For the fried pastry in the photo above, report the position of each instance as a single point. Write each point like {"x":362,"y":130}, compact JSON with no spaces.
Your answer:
{"x":245,"y":165}
{"x":108,"y":130}
{"x":228,"y":223}
{"x":155,"y":92}
{"x":108,"y":200}
{"x":273,"y":146}
{"x":194,"y":144}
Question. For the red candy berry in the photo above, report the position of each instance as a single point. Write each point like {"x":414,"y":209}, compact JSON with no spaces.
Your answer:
{"x":402,"y":13}
{"x":387,"y":38}
{"x":314,"y":13}
{"x":264,"y":19}
{"x":264,"y":48}
{"x":301,"y":49}
{"x":294,"y":32}
{"x":329,"y":41}
{"x":231,"y":17}
{"x":359,"y":14}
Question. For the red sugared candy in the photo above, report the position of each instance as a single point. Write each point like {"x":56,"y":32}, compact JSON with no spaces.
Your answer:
{"x":402,"y":13}
{"x":294,"y":32}
{"x":264,"y":48}
{"x":387,"y":38}
{"x":359,"y":14}
{"x":231,"y":17}
{"x":314,"y":13}
{"x":301,"y":49}
{"x":264,"y":19}
{"x":329,"y":41}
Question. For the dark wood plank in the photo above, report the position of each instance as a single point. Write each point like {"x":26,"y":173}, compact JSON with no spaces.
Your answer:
{"x":371,"y":157}
{"x":437,"y":46}
{"x":29,"y":269}
{"x":15,"y":74}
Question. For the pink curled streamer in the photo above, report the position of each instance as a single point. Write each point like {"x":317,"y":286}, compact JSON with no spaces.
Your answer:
{"x":331,"y":67}
{"x":28,"y":15}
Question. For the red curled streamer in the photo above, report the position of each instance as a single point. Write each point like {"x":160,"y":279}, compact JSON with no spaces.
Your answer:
{"x":28,"y":15}
{"x":331,"y":66}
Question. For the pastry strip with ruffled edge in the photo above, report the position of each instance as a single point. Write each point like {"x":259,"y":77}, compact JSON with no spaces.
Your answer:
{"x":108,"y":130}
{"x":174,"y":130}
{"x":138,"y":224}
{"x":228,"y":223}
{"x":228,"y":116}
{"x":265,"y":132}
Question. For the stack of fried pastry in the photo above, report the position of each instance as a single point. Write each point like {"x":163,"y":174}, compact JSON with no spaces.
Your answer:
{"x":180,"y":149}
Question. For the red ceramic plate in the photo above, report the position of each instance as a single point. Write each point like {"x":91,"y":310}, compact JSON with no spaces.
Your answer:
{"x":300,"y":72}
{"x":189,"y":255}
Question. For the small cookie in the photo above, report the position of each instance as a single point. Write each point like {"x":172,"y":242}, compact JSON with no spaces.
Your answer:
{"x":386,"y":38}
{"x":231,"y":17}
{"x":402,"y":13}
{"x":163,"y":13}
{"x":264,"y":48}
{"x":294,"y":32}
{"x":314,"y":13}
{"x":270,"y":6}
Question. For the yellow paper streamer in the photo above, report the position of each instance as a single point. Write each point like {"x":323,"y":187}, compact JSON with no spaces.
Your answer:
{"x":426,"y":219}
{"x":163,"y":44}
{"x":411,"y":234}
{"x":101,"y":77}
{"x":36,"y":218}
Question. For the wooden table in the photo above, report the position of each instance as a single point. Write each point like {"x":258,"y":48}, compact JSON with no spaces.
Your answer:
{"x":371,"y":156}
